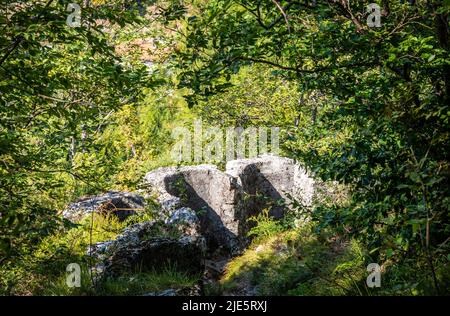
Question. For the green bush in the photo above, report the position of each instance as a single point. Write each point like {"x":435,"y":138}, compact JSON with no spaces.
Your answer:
{"x":264,"y":226}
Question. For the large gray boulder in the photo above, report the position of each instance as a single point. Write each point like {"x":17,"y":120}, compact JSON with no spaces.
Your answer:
{"x":152,"y":244}
{"x":224,"y":201}
{"x":121,"y":204}
{"x":212,"y":193}
{"x":270,"y":179}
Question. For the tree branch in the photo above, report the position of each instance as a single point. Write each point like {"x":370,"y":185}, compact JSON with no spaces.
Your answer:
{"x":19,"y":39}
{"x":283,"y":13}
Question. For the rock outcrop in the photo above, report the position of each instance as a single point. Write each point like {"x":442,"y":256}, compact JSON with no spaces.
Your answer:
{"x":153,"y":244}
{"x":224,"y":201}
{"x":203,"y":210}
{"x":184,"y":253}
{"x":269,"y":182}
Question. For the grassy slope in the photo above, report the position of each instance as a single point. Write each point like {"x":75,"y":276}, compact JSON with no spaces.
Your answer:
{"x":295,"y":262}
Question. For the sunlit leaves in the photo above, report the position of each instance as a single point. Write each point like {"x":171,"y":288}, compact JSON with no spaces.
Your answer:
{"x":56,"y":85}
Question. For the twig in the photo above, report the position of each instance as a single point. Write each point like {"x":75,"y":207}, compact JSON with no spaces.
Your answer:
{"x":284,"y":14}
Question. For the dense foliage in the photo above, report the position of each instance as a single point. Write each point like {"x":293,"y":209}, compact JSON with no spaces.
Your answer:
{"x":90,"y":108}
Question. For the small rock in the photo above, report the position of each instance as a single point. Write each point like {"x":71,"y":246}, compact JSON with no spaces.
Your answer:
{"x":259,"y":249}
{"x":185,"y":220}
{"x":189,"y":291}
{"x":169,"y":292}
